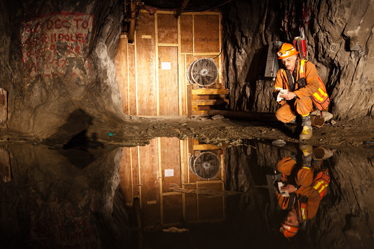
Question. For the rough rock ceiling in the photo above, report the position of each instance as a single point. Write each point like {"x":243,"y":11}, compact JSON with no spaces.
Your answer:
{"x":190,"y":5}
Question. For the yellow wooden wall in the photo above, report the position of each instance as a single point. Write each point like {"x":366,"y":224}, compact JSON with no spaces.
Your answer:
{"x":151,"y":72}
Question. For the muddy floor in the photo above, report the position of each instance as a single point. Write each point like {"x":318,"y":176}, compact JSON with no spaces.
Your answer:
{"x":217,"y":130}
{"x":230,"y":132}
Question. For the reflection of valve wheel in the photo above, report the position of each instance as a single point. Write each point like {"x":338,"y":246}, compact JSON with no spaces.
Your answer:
{"x":203,"y":72}
{"x":206,"y":165}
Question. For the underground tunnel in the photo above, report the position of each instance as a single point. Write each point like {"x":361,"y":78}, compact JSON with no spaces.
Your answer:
{"x":158,"y":124}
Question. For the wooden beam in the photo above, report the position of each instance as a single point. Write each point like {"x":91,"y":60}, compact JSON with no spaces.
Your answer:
{"x":199,"y":112}
{"x":160,"y":180}
{"x":157,"y":59}
{"x":206,"y":54}
{"x":209,"y":101}
{"x":180,"y":81}
{"x":189,"y":100}
{"x":210,"y":91}
{"x":167,"y":45}
{"x":171,"y":193}
{"x":205,"y":147}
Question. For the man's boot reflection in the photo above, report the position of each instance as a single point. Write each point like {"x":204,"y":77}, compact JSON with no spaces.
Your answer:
{"x":300,"y":191}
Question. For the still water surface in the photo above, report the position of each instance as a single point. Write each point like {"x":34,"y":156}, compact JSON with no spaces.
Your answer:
{"x":177,"y":194}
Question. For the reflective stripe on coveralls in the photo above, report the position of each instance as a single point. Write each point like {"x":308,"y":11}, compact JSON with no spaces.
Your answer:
{"x":320,"y":183}
{"x":320,"y":98}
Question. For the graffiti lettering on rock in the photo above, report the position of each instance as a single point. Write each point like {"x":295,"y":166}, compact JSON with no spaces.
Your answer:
{"x":49,"y":41}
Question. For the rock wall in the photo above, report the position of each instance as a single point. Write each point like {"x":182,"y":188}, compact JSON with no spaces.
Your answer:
{"x":339,"y":39}
{"x":58,"y":58}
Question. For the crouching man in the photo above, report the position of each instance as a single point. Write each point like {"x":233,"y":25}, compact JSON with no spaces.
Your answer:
{"x":305,"y":190}
{"x":298,"y":89}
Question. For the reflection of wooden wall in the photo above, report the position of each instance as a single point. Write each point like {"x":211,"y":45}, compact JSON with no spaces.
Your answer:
{"x":142,"y":174}
{"x":147,"y":88}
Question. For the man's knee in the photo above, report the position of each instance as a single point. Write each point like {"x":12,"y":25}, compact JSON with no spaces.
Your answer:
{"x":286,"y":165}
{"x":304,"y":105}
{"x":284,"y":115}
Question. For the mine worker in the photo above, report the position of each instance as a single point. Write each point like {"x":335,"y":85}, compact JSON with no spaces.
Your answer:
{"x":302,"y":90}
{"x":304,"y":192}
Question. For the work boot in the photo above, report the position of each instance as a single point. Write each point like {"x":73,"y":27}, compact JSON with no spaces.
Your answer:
{"x":307,"y":132}
{"x":307,"y":150}
{"x":293,"y":121}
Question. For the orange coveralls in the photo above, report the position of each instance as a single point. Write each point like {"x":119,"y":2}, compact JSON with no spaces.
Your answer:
{"x":303,"y":104}
{"x":304,"y":179}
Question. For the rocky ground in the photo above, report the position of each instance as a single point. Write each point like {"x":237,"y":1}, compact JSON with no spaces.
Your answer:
{"x":354,"y":134}
{"x":220,"y":131}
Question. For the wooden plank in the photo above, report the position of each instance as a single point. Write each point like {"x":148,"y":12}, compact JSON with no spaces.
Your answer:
{"x":168,"y":80}
{"x":189,"y":101}
{"x":131,"y":78}
{"x":135,"y":171}
{"x":184,"y":161}
{"x":210,"y":91}
{"x":186,"y":34}
{"x":207,"y":97}
{"x":189,"y":153}
{"x":148,"y":156}
{"x":206,"y":34}
{"x":146,"y":66}
{"x":209,"y":101}
{"x":183,"y":156}
{"x":167,"y":45}
{"x":206,"y":54}
{"x":220,"y":77}
{"x":205,"y":147}
{"x":125,"y":176}
{"x":171,"y":193}
{"x":157,"y":82}
{"x":202,"y":13}
{"x":173,"y":209}
{"x":120,"y":60}
{"x":180,"y":77}
{"x":159,"y":176}
{"x":202,"y":107}
{"x":210,"y":208}
{"x":185,"y":85}
{"x":191,"y":205}
{"x":167,"y":26}
{"x":204,"y":113}
{"x":170,"y":160}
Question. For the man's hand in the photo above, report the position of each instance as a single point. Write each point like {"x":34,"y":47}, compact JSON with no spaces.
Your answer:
{"x":288,"y":96}
{"x":289,"y":188}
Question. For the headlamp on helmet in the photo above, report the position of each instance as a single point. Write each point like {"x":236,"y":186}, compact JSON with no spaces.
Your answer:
{"x":286,"y":50}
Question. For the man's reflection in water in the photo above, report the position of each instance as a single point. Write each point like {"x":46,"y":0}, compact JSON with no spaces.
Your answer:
{"x":300,"y":190}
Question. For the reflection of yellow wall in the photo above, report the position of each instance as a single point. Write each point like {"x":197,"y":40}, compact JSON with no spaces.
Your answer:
{"x":142,"y":174}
